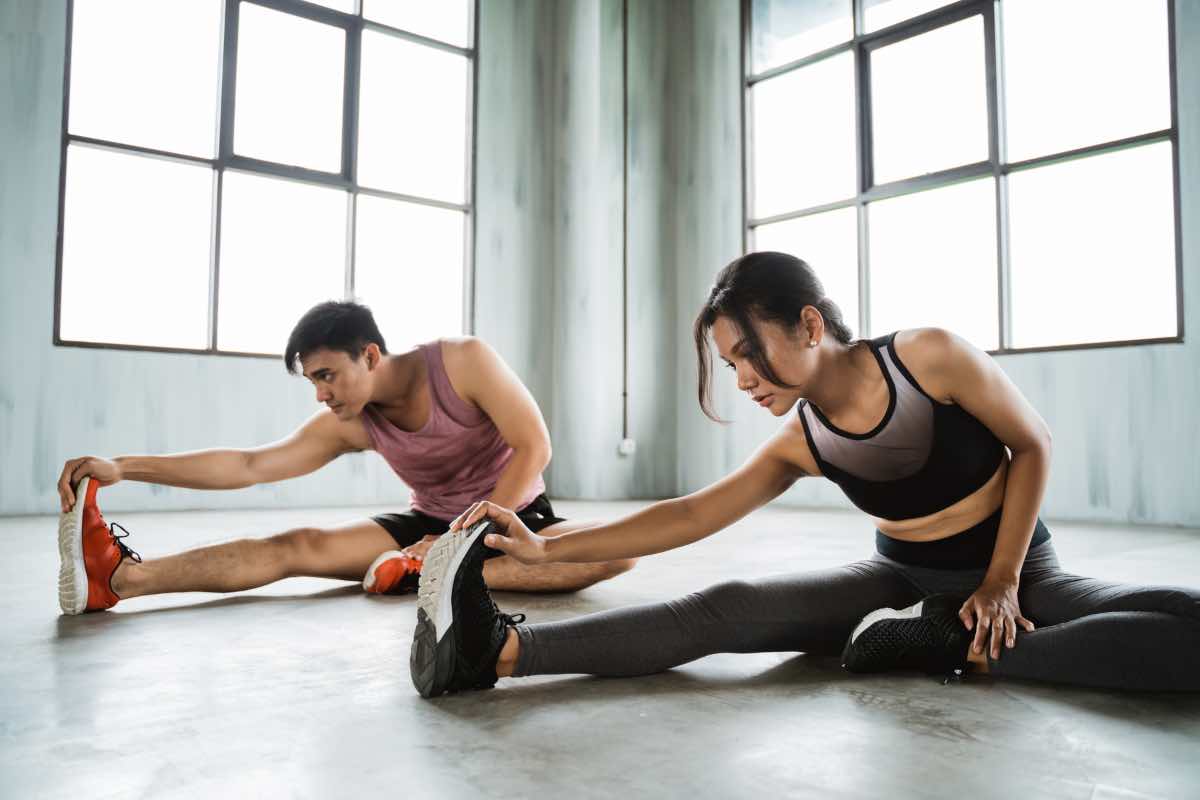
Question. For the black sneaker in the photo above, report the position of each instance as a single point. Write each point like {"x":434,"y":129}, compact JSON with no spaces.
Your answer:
{"x":927,"y":636}
{"x":459,"y":629}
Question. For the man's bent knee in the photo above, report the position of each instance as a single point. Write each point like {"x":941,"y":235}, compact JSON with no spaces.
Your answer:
{"x":301,"y":550}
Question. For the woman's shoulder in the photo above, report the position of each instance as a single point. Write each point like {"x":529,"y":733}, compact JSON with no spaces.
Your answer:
{"x":930,"y":356}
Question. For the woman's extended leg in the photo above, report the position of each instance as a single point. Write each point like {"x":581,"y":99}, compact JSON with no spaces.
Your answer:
{"x":811,"y":612}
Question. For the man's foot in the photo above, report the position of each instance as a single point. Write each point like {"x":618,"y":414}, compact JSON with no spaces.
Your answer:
{"x":927,"y":636}
{"x":459,"y":629}
{"x":90,"y":553}
{"x":392,"y":573}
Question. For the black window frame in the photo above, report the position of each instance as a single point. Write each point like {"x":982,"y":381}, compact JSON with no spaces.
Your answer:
{"x":345,"y":178}
{"x":996,"y":165}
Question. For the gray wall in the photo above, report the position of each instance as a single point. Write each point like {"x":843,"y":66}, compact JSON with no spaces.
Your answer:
{"x":549,"y":289}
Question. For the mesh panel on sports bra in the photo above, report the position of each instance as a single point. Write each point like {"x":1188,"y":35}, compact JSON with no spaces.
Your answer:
{"x":899,"y":447}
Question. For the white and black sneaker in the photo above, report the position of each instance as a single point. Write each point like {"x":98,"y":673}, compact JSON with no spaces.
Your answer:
{"x":927,"y":636}
{"x":459,"y":629}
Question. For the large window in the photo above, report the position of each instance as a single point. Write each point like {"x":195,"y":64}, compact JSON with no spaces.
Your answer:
{"x":1006,"y":169}
{"x":229,"y":163}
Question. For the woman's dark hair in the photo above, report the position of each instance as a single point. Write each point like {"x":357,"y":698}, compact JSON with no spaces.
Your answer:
{"x":333,"y":325}
{"x":768,"y":287}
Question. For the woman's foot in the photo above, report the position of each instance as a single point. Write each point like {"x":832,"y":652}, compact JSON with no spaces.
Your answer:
{"x":927,"y":636}
{"x":460,"y":632}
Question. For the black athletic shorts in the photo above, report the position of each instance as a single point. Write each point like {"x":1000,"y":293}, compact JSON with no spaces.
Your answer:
{"x":409,"y":527}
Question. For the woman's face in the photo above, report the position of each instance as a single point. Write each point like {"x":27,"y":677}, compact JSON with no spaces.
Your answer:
{"x":791,"y":358}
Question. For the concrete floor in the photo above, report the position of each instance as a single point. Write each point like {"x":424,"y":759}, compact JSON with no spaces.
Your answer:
{"x":301,"y":689}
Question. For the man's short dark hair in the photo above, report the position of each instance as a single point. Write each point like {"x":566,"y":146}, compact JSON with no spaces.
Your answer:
{"x":333,"y":325}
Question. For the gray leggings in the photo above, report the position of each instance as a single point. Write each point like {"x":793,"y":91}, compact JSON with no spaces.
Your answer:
{"x":1090,"y":632}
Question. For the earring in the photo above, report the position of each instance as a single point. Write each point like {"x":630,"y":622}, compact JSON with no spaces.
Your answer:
{"x":812,"y":342}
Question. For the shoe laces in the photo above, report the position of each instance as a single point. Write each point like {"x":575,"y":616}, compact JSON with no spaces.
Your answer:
{"x":126,"y":550}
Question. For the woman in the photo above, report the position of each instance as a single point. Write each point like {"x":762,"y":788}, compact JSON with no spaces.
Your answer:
{"x":919,"y":429}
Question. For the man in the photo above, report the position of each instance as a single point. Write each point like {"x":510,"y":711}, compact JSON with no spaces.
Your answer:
{"x":450,"y":418}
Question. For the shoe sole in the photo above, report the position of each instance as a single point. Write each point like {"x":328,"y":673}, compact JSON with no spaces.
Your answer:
{"x":368,"y":583}
{"x":431,"y":660}
{"x":72,"y":574}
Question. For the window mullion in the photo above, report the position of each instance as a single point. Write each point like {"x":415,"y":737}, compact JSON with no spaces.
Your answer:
{"x":350,"y":100}
{"x":994,"y":69}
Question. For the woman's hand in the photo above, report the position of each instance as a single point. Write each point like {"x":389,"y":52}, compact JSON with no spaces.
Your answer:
{"x":509,"y":535}
{"x":993,"y":613}
{"x":75,"y":470}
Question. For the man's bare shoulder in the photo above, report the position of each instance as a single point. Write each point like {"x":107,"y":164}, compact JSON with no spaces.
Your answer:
{"x":347,"y":435}
{"x":471,"y":364}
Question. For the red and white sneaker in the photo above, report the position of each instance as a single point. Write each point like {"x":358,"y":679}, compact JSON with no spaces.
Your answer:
{"x":393,"y":573}
{"x":90,"y":552}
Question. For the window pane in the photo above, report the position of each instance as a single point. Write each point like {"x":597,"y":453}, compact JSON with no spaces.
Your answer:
{"x":289,"y":89}
{"x":829,"y":244}
{"x":804,"y":148}
{"x":786,"y":30}
{"x":1093,"y":249}
{"x":136,"y":248}
{"x":116,"y":96}
{"x":412,"y":129}
{"x":929,"y":102}
{"x":933,"y":262}
{"x":283,"y":250}
{"x":409,"y":269}
{"x":345,"y":6}
{"x":879,"y":14}
{"x":444,"y":20}
{"x":1079,"y":72}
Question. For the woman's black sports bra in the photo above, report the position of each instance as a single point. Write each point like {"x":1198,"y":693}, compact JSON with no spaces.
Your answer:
{"x":922,"y":457}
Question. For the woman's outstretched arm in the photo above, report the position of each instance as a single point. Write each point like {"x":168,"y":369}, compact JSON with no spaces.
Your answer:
{"x":663,"y":526}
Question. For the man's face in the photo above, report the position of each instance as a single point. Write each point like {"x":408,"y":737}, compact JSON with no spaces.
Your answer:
{"x":343,"y":383}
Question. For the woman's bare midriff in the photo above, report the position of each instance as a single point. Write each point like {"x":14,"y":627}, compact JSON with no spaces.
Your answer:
{"x":970,"y":511}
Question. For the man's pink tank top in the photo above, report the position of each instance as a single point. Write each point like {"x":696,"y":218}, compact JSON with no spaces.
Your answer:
{"x":455,"y":459}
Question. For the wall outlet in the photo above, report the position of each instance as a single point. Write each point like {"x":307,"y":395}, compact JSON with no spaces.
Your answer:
{"x":627,"y":447}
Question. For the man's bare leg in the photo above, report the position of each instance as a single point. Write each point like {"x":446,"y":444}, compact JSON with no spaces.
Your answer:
{"x":505,"y":574}
{"x":343,"y":551}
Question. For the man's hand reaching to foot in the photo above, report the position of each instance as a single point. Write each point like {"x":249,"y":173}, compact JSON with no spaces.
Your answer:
{"x":99,"y":469}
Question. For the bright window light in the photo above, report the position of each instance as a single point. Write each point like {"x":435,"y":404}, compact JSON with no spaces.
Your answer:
{"x":283,"y":250}
{"x":445,"y":20}
{"x":146,"y":73}
{"x":1093,"y":249}
{"x":1079,"y":72}
{"x":412,"y":128}
{"x":933,"y":262}
{"x":929,"y":102}
{"x":136,"y":242}
{"x":290,"y":74}
{"x":879,"y":14}
{"x":409,"y":269}
{"x":804,"y":151}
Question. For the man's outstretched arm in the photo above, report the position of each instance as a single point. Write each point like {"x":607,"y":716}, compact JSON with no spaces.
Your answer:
{"x":314,"y":444}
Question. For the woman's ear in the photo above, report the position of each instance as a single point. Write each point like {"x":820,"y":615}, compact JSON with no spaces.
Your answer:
{"x":812,"y":325}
